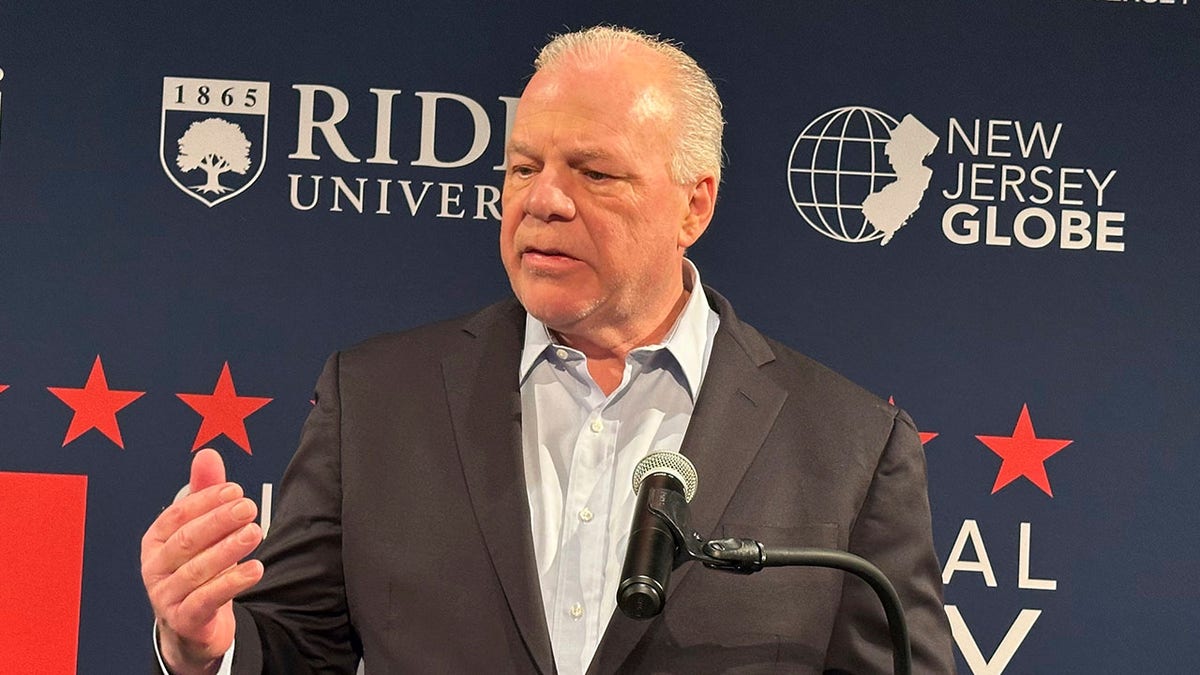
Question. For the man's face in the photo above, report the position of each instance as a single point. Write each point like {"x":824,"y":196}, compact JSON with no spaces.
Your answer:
{"x":594,"y":227}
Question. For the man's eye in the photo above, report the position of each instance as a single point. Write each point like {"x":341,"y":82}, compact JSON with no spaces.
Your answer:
{"x":521,"y":171}
{"x":596,"y":175}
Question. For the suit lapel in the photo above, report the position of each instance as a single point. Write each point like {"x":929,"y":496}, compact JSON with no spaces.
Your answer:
{"x":736,"y":409}
{"x":485,"y":408}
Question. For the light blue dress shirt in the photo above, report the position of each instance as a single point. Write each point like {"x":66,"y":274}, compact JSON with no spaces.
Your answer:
{"x":580,"y":449}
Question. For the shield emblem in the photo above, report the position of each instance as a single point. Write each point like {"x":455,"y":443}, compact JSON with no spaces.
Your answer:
{"x":213,"y":139}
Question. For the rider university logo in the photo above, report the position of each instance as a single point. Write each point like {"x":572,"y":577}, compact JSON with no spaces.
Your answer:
{"x":857,"y":174}
{"x":213,"y":139}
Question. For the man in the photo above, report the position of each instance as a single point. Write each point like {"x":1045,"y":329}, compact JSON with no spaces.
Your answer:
{"x":460,"y":499}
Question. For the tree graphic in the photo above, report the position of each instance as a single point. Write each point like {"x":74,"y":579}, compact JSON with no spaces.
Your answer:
{"x":216,"y":146}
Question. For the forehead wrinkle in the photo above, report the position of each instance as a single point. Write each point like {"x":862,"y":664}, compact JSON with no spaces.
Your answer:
{"x":582,"y":152}
{"x":586,"y":153}
{"x":579,"y":123}
{"x":573,"y":142}
{"x":517,"y":146}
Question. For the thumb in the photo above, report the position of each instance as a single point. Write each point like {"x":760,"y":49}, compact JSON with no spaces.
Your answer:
{"x":207,"y":469}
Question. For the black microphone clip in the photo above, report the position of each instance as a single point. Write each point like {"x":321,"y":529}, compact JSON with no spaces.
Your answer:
{"x":742,"y":556}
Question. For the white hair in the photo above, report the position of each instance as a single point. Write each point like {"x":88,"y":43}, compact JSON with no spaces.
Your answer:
{"x":698,"y":145}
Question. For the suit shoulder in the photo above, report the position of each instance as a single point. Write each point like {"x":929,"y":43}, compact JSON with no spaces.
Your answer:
{"x":813,"y":386}
{"x":820,"y":387}
{"x":834,"y":412}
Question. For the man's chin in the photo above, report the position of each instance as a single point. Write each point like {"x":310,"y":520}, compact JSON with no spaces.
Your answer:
{"x":558,"y":314}
{"x":556,"y":318}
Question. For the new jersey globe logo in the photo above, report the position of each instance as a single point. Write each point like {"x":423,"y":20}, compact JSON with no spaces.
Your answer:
{"x":857,"y":174}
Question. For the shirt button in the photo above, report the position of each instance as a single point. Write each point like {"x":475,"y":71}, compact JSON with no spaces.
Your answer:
{"x":576,"y":611}
{"x":585,"y":514}
{"x":597,"y":426}
{"x":561,"y":353}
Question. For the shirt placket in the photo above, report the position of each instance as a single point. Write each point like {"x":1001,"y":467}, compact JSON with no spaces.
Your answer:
{"x":572,"y":619}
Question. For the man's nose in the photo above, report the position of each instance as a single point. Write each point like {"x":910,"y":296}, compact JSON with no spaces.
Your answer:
{"x":548,"y":199}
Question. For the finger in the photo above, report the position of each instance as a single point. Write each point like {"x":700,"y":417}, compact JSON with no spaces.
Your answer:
{"x":188,"y":509}
{"x":201,"y":606}
{"x":207,"y":469}
{"x":200,"y":533}
{"x":207,"y":566}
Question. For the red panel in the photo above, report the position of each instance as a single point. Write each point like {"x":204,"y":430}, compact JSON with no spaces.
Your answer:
{"x":41,"y":571}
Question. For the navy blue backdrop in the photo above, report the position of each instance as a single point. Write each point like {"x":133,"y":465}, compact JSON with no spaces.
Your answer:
{"x":1043,"y":291}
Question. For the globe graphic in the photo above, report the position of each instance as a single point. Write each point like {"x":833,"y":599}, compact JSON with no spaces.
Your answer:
{"x":837,"y":160}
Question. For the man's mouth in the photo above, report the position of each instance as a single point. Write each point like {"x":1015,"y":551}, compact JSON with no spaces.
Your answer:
{"x":547,"y":260}
{"x":546,"y":252}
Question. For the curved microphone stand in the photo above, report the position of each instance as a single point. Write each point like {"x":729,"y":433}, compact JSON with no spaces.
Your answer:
{"x":746,"y":556}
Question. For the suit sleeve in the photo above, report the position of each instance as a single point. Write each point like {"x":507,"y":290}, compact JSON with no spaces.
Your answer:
{"x":893,"y":531}
{"x":296,"y":619}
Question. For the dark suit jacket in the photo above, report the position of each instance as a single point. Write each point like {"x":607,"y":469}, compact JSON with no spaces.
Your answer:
{"x":401,"y":528}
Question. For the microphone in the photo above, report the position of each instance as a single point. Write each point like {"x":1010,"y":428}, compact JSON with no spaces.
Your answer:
{"x":652,"y":549}
{"x":660,"y":540}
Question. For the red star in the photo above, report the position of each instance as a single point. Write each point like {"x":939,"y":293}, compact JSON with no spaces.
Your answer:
{"x":925,"y":436}
{"x":95,"y":406}
{"x":1024,"y":454}
{"x":224,"y":412}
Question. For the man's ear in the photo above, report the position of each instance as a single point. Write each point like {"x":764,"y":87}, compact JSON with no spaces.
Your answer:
{"x":701,"y":203}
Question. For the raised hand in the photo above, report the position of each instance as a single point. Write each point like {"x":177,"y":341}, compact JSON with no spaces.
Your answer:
{"x":190,"y":566}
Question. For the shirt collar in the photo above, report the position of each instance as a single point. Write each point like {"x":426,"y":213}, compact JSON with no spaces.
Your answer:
{"x":687,"y":340}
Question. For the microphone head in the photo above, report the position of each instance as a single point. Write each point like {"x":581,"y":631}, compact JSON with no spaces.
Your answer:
{"x":671,"y":463}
